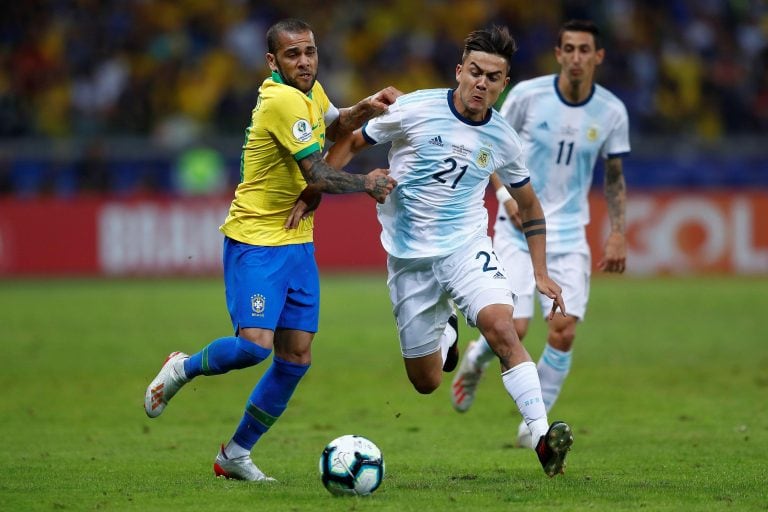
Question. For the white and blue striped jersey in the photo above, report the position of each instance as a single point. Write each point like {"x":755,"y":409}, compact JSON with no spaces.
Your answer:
{"x":442,"y":162}
{"x":562,"y":142}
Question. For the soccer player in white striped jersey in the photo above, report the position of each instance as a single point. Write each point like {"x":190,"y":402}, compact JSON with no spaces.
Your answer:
{"x":566,"y":122}
{"x":446,"y":143}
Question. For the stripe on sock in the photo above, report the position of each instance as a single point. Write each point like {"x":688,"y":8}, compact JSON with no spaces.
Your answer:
{"x":204,"y":362}
{"x":266,"y":419}
{"x":556,"y":359}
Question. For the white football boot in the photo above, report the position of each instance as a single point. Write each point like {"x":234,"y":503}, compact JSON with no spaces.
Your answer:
{"x":465,"y":382}
{"x":166,"y":384}
{"x":238,"y":468}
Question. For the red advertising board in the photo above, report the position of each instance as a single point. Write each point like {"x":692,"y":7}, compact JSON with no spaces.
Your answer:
{"x":668,"y":233}
{"x":674,"y":233}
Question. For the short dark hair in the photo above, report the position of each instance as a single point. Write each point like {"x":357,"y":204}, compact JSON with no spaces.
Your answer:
{"x":580,"y":26}
{"x":496,"y":40}
{"x":291,"y":25}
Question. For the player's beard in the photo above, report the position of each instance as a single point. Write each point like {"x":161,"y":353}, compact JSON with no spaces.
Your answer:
{"x":292,"y":83}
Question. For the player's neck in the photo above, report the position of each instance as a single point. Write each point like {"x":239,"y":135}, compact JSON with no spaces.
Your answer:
{"x":572,"y":91}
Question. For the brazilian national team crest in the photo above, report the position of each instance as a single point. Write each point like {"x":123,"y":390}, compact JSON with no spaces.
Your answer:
{"x":258,"y":303}
{"x":483,"y":158}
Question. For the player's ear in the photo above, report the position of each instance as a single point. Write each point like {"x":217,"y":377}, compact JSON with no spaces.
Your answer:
{"x":599,"y":56}
{"x":271,"y":61}
{"x":559,"y":55}
{"x":458,"y":71}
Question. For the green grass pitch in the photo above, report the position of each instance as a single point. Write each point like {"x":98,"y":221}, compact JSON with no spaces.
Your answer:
{"x":668,"y":398}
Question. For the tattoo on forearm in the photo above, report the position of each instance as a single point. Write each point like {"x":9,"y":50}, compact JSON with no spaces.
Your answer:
{"x":380,"y":186}
{"x":352,"y":118}
{"x":331,"y":180}
{"x":534,"y":227}
{"x":535,"y":222}
{"x":534,"y":232}
{"x":615,"y":194}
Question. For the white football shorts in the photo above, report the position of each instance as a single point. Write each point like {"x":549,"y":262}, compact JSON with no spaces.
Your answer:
{"x":571,"y":271}
{"x":423,"y":291}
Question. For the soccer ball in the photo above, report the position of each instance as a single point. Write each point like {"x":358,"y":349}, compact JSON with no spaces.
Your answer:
{"x":351,"y":465}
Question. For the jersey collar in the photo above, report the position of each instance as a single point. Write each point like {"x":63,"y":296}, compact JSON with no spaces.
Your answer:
{"x":562,"y":98}
{"x":463,"y":119}
{"x":279,"y":80}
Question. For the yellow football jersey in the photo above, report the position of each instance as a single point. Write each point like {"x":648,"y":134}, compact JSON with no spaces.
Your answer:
{"x":286,"y":126}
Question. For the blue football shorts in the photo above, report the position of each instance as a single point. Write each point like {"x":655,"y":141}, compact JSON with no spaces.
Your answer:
{"x":272,"y":287}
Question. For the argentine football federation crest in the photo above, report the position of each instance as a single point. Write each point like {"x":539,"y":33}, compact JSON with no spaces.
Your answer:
{"x":592,"y":133}
{"x":483,"y":157}
{"x":258,"y":303}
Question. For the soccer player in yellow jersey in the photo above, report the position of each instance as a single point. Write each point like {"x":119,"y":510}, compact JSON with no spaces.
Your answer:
{"x":270,"y":274}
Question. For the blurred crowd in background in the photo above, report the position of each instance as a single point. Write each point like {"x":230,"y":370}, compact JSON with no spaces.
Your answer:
{"x":174,"y":73}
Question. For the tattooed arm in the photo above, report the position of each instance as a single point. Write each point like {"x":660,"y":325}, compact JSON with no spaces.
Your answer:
{"x":324,"y":178}
{"x":322,"y":175}
{"x":615,"y":250}
{"x":352,"y":118}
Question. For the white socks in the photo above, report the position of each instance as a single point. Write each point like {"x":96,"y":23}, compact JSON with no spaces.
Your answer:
{"x":446,"y":340}
{"x":234,"y":450}
{"x":522,"y":384}
{"x":547,"y":381}
{"x":553,"y":367}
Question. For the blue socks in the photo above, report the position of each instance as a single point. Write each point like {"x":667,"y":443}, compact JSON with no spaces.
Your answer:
{"x":224,"y":354}
{"x":268,"y":400}
{"x":270,"y":396}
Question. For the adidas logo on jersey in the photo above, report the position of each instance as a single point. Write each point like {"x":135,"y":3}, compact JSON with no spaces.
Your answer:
{"x":437,"y":141}
{"x":543,"y":126}
{"x":499,"y":275}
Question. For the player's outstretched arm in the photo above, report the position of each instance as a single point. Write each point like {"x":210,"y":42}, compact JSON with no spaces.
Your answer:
{"x":535,"y":230}
{"x":615,"y":251}
{"x":345,"y":148}
{"x":325,"y":178}
{"x":352,"y":118}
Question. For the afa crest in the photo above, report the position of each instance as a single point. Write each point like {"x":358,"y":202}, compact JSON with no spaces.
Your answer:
{"x":592,"y":133}
{"x":258,"y":304}
{"x":483,"y":158}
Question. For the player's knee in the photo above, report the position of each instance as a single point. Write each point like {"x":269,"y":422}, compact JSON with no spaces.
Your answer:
{"x":296,"y":355}
{"x":500,"y":330}
{"x":424,"y":384}
{"x":562,"y":339}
